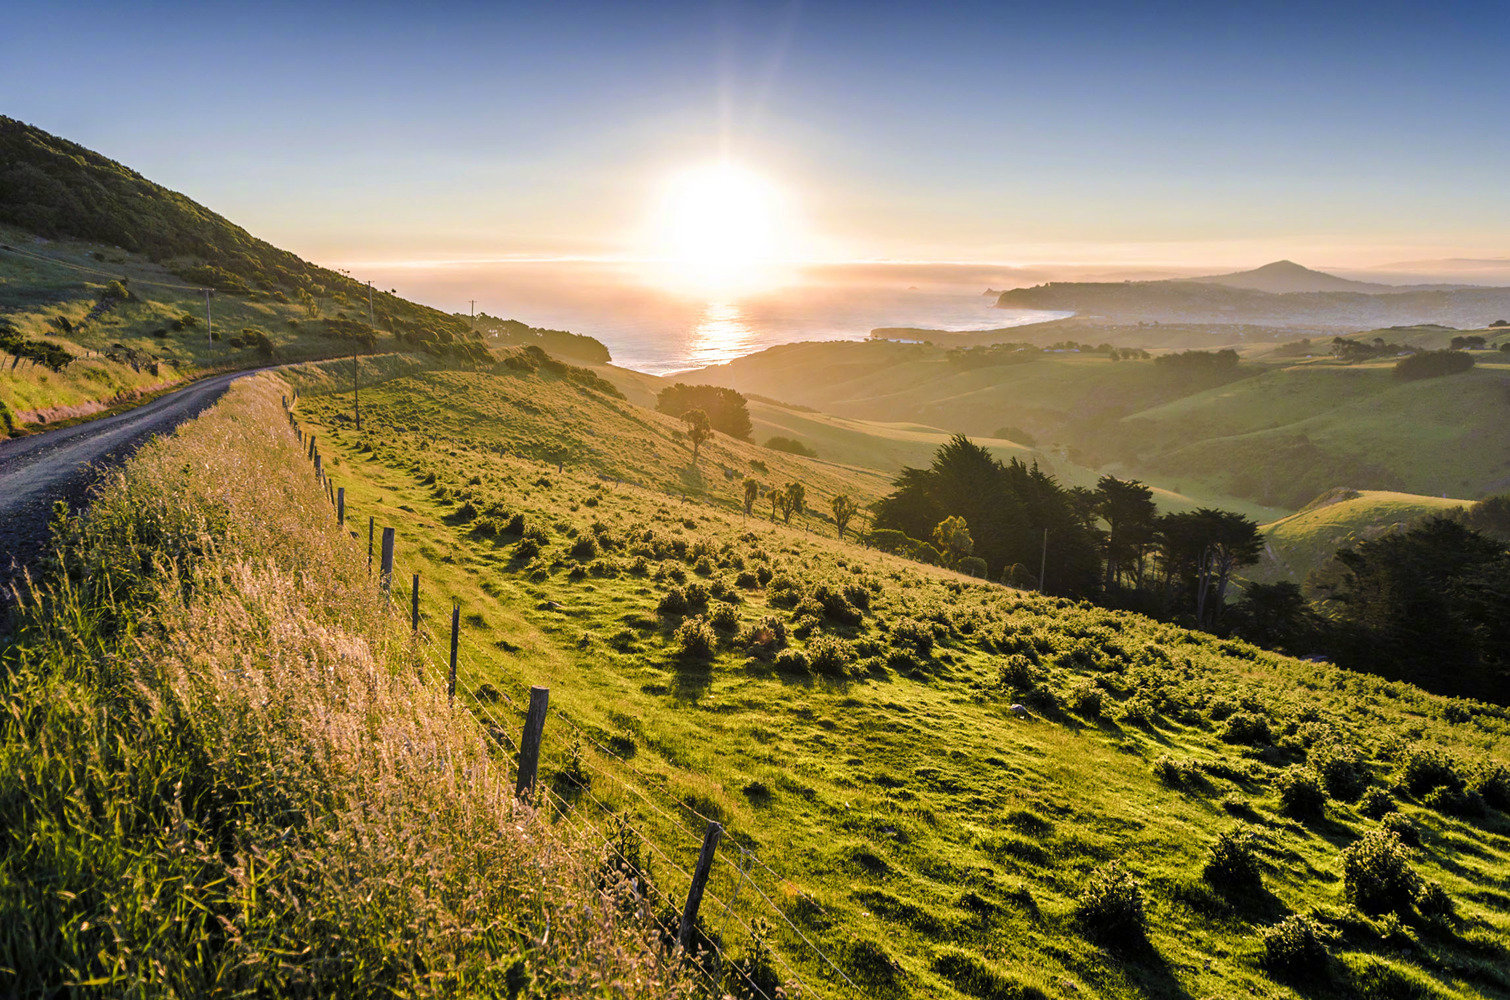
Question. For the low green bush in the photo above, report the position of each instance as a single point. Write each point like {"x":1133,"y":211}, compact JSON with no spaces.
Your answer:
{"x":1376,"y":874}
{"x":1110,"y":907}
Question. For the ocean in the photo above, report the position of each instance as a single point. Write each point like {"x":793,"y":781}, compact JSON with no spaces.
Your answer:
{"x":650,"y":326}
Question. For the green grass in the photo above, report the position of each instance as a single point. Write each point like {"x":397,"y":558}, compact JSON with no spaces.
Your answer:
{"x":221,"y":776}
{"x":922,"y":834}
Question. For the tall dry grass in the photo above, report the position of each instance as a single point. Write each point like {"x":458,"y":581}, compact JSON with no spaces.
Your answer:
{"x":219,"y":775}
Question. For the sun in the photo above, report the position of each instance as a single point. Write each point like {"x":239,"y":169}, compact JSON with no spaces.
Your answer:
{"x":720,"y":228}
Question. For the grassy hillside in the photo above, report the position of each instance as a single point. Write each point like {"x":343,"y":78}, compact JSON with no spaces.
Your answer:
{"x":1275,"y":433}
{"x":936,"y":782}
{"x":1297,"y":544}
{"x":107,"y":271}
{"x":222,"y":777}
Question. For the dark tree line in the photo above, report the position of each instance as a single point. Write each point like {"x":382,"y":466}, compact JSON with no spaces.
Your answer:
{"x":1109,"y":543}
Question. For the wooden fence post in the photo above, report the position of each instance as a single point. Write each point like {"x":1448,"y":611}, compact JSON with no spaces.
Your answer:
{"x":311,"y":446}
{"x":455,"y":635}
{"x":318,"y":472}
{"x":371,"y":522}
{"x":385,"y":575}
{"x":529,"y":746}
{"x":699,"y":882}
{"x":341,"y":506}
{"x":414,"y":605}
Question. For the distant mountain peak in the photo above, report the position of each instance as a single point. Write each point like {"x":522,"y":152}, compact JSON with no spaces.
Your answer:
{"x":1285,"y":276}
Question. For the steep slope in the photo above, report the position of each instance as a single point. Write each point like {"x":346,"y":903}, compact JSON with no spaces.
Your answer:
{"x":919,"y":790}
{"x":103,"y":281}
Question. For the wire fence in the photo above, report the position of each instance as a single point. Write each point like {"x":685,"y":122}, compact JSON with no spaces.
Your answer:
{"x":572,"y":794}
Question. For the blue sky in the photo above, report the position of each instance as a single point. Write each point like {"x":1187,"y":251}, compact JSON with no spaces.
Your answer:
{"x":1169,"y":132}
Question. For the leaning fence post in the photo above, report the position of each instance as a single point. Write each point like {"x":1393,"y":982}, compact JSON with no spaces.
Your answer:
{"x":529,"y":746}
{"x":385,"y":576}
{"x":455,"y":635}
{"x":318,"y":473}
{"x":371,"y":523}
{"x":414,"y":605}
{"x":699,"y":881}
{"x":311,"y":446}
{"x":341,"y":506}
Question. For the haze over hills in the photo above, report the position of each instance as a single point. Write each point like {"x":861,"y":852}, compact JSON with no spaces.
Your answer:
{"x":1279,"y":294}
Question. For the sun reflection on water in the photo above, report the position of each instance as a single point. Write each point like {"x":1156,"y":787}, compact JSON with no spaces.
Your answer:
{"x":721,"y":336}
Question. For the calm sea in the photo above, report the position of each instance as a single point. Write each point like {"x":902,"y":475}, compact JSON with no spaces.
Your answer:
{"x":651,"y":328}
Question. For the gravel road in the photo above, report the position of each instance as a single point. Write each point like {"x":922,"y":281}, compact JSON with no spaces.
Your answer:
{"x":56,"y":465}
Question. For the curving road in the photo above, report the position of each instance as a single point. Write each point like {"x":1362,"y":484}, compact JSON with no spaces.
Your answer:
{"x":37,"y":470}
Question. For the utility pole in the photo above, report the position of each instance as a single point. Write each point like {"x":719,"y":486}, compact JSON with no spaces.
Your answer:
{"x":1043,"y":561}
{"x":474,"y":312}
{"x":208,"y":325}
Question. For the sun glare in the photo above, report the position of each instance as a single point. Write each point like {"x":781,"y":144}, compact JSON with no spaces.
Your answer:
{"x":721,"y":229}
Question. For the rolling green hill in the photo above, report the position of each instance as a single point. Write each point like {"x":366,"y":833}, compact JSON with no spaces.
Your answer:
{"x":1300,"y":543}
{"x":1275,"y":433}
{"x":919,"y":831}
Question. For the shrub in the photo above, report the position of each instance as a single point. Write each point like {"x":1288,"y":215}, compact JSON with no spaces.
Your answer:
{"x":1220,"y":709}
{"x":1376,"y":803}
{"x":724,"y":618}
{"x":1427,"y":768}
{"x":911,"y":634}
{"x":695,"y":639}
{"x":1340,"y":768}
{"x":1110,"y":908}
{"x":1170,"y":771}
{"x":1248,"y":728}
{"x":1296,"y":945}
{"x":584,"y":548}
{"x":1376,"y":874}
{"x":1233,"y":864}
{"x":526,"y":548}
{"x":1492,"y":782}
{"x":829,"y":655}
{"x":1454,"y":801}
{"x":1433,"y":903}
{"x":1300,"y":793}
{"x":791,"y":661}
{"x":1085,"y":699}
{"x":1139,"y":712}
{"x":1402,"y":828}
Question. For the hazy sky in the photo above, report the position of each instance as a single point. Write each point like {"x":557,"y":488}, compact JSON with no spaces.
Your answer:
{"x":1229,"y":133}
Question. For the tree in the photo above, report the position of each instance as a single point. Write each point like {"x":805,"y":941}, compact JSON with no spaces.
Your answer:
{"x":951,"y":536}
{"x":727,"y":410}
{"x":1277,"y":616}
{"x":752,"y":493}
{"x":1430,"y":605}
{"x":1008,"y":508}
{"x":793,"y":501}
{"x":1128,"y":509}
{"x":698,"y":430}
{"x":1199,"y":550}
{"x":845,"y":509}
{"x":1432,"y":364}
